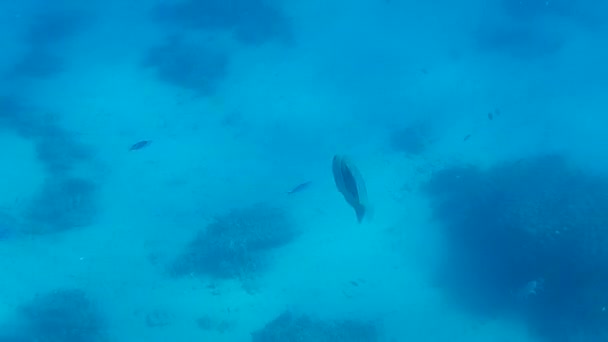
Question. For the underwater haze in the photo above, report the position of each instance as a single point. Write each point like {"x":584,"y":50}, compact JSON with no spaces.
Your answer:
{"x":167,"y":171}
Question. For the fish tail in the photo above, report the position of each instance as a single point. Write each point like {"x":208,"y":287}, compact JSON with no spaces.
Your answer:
{"x":360,"y":210}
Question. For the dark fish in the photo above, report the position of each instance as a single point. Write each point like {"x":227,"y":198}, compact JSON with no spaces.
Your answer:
{"x":490,"y":115}
{"x":139,"y":145}
{"x":351,"y":185}
{"x":467,"y":137}
{"x":299,"y":188}
{"x":354,"y":283}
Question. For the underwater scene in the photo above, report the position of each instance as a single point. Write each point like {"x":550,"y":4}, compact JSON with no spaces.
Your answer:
{"x":304,"y":171}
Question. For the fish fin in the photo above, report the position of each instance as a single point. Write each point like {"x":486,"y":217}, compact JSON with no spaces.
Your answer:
{"x":369,"y":212}
{"x":366,"y":212}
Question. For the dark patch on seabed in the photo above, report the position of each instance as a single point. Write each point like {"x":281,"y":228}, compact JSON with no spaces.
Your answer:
{"x":527,"y":238}
{"x":57,"y":149}
{"x":586,"y":13}
{"x":193,"y":61}
{"x":290,"y":326}
{"x":52,"y":27}
{"x":65,"y":201}
{"x":44,"y":40}
{"x":523,"y":41}
{"x":61,"y":205}
{"x":38,"y":64}
{"x":251,"y":21}
{"x":236,"y":244}
{"x":412,"y":139}
{"x":63,"y":315}
{"x":197,"y":66}
{"x":530,"y":29}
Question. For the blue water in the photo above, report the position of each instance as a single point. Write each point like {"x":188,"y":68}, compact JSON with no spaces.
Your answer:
{"x":478,"y":127}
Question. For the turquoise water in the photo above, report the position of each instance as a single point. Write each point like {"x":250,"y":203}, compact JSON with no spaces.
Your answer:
{"x":167,"y":170}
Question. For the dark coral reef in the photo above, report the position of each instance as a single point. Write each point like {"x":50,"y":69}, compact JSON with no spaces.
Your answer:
{"x":529,"y":238}
{"x":296,"y":327}
{"x":412,"y":139}
{"x":65,"y":201}
{"x":589,"y":13}
{"x":64,"y":315}
{"x":521,"y":41}
{"x":58,"y":149}
{"x":44,"y":41}
{"x":201,"y":63}
{"x":61,"y":205}
{"x":235,"y":245}
{"x":190,"y":65}
{"x":251,"y":21}
{"x":533,"y":29}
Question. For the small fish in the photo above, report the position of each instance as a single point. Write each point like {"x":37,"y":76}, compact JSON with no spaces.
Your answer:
{"x":490,"y":115}
{"x":139,"y":145}
{"x":466,"y":137}
{"x":354,"y":283}
{"x":351,"y":185}
{"x":299,"y":187}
